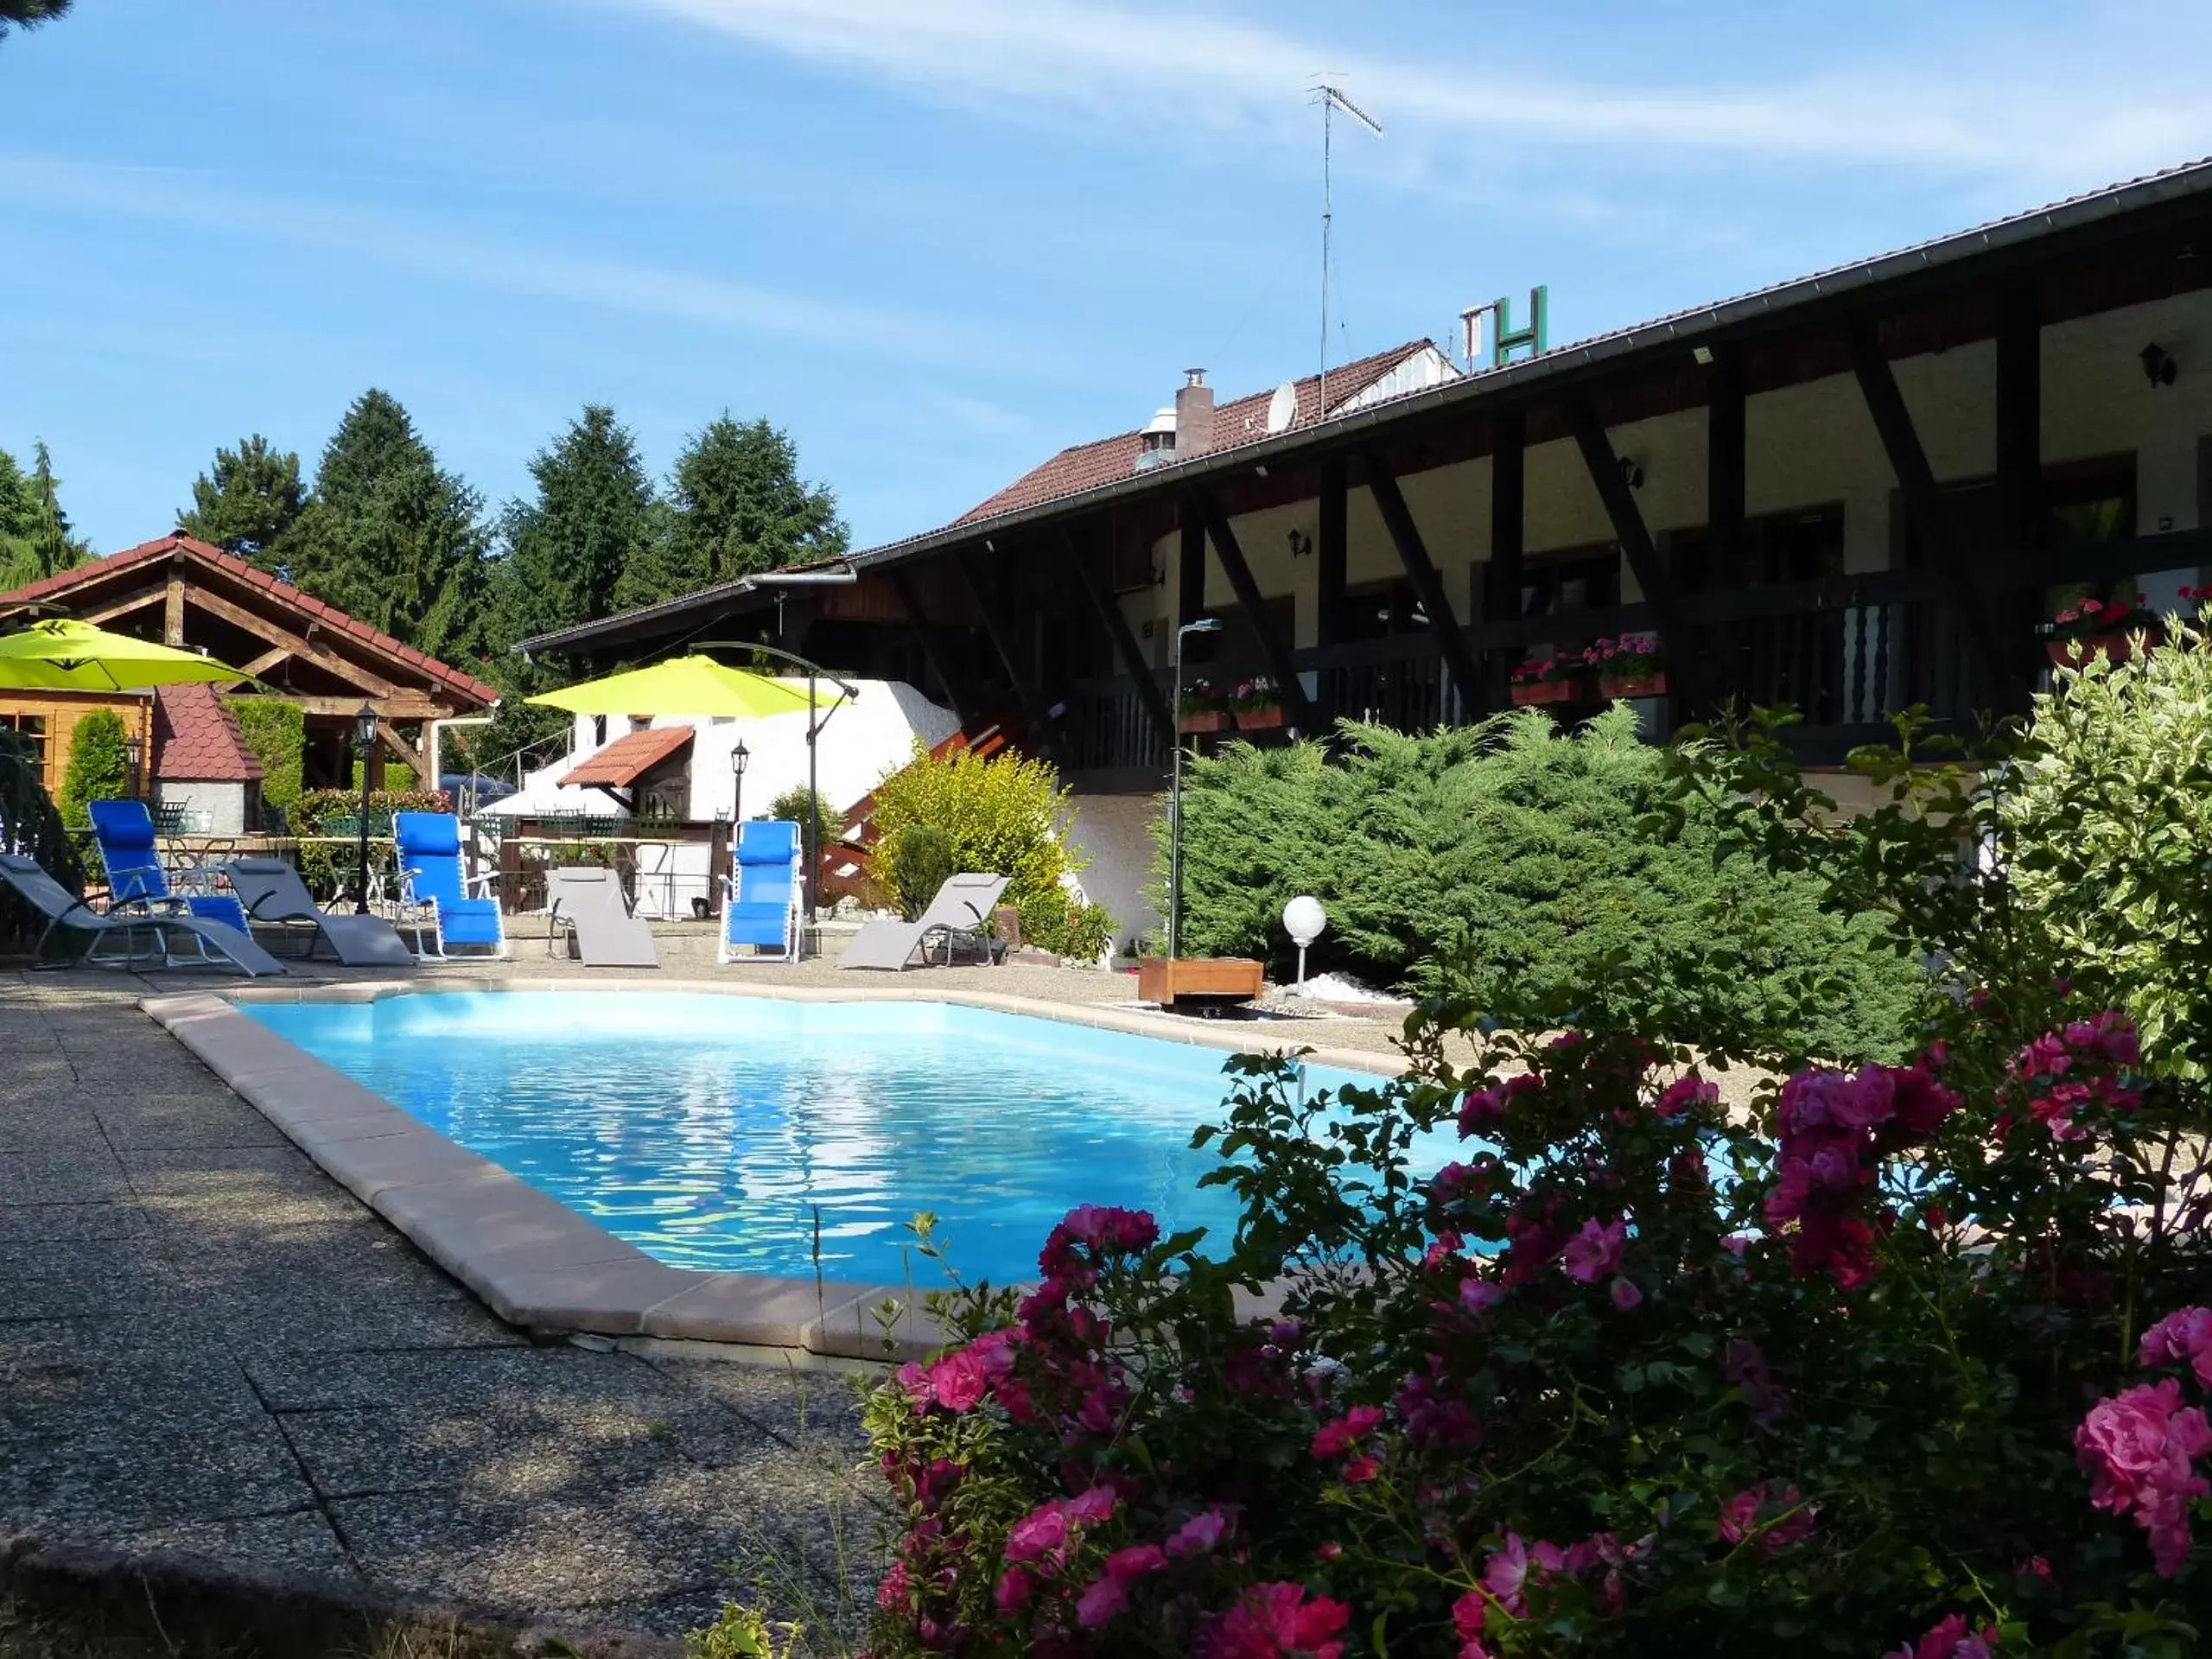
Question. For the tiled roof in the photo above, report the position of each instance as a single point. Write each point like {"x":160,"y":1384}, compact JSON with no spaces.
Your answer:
{"x":627,"y":758}
{"x":196,"y":738}
{"x":179,"y":546}
{"x":1241,"y":421}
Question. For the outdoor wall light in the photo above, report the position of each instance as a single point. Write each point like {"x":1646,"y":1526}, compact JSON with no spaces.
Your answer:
{"x":1632,"y":471}
{"x":1301,"y":544}
{"x":2158,"y":366}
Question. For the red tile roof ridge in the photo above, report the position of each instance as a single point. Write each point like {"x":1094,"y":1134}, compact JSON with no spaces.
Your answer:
{"x":629,"y":757}
{"x":197,"y":739}
{"x":232,"y":565}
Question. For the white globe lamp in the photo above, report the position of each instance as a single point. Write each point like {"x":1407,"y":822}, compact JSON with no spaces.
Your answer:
{"x":1303,"y":918}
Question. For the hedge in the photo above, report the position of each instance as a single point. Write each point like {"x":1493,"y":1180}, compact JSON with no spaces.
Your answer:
{"x":276,"y":733}
{"x":1509,"y":861}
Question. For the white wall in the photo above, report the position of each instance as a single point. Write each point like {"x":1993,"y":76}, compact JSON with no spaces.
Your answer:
{"x":223,"y":804}
{"x":1114,"y":833}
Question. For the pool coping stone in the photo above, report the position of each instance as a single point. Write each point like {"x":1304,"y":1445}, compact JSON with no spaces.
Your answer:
{"x":537,"y":1264}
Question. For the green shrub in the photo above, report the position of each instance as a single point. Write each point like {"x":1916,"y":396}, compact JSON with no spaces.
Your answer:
{"x":398,"y":778}
{"x":792,"y":807}
{"x":1510,"y":863}
{"x":2111,"y":808}
{"x":320,"y":864}
{"x":1080,"y":932}
{"x":31,"y":825}
{"x":276,"y":733}
{"x":99,"y":765}
{"x":921,"y":862}
{"x":1003,"y":815}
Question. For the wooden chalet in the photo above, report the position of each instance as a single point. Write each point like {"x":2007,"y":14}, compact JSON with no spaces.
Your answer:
{"x":185,"y":593}
{"x":1859,"y":491}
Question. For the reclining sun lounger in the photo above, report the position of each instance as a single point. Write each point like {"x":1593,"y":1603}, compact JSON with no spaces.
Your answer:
{"x":271,"y":891}
{"x":124,"y":831}
{"x":962,"y":905}
{"x":432,"y":885}
{"x":215,"y":946}
{"x":760,"y":897}
{"x":585,"y":902}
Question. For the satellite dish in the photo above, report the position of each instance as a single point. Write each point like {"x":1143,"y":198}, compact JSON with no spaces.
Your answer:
{"x":1282,"y":409}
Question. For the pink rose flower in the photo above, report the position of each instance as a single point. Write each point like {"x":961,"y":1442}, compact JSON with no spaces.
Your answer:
{"x":2183,"y":1337}
{"x":1595,"y":1252}
{"x":2138,"y":1448}
{"x":1040,"y":1534}
{"x":958,"y":1381}
{"x":1199,"y":1534}
{"x":1686,"y":1093}
{"x":1335,"y":1439}
{"x":1274,"y":1619}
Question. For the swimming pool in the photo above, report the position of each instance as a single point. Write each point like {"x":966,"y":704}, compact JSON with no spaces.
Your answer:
{"x":717,"y":1132}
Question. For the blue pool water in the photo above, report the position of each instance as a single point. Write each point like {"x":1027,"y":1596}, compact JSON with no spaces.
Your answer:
{"x":710,"y":1130}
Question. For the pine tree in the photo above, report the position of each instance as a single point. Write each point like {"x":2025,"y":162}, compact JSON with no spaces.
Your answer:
{"x":738,"y":507}
{"x":568,"y":551}
{"x":29,"y":14}
{"x":246,"y":501}
{"x":35,"y":539}
{"x":389,"y":537}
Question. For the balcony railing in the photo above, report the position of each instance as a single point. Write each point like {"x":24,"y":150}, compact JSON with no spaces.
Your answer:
{"x":1846,"y":652}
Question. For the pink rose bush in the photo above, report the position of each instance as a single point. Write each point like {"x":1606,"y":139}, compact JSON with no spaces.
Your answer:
{"x":1634,"y":1372}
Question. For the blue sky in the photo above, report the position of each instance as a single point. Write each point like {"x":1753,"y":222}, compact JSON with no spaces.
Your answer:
{"x":938,"y":239}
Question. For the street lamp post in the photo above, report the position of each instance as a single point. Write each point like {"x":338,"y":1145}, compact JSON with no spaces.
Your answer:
{"x":1204,"y":625}
{"x":364,"y":737}
{"x":738,"y":756}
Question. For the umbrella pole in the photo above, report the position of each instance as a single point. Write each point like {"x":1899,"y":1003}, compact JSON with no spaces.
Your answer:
{"x":813,"y":808}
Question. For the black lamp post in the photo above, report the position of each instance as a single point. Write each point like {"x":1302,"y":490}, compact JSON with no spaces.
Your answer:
{"x":1204,"y":625}
{"x":365,"y":738}
{"x":738,"y":756}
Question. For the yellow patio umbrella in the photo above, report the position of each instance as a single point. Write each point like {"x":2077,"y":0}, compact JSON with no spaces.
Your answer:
{"x":682,"y":685}
{"x":60,"y":655}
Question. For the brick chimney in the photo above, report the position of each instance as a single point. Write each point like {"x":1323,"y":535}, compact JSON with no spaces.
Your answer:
{"x":1193,"y":415}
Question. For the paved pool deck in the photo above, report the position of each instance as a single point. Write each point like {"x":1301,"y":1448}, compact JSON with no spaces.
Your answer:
{"x":211,"y":1345}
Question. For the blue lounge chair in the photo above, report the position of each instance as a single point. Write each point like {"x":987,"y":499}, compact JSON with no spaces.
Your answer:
{"x":760,"y":900}
{"x":432,"y":886}
{"x":124,"y":831}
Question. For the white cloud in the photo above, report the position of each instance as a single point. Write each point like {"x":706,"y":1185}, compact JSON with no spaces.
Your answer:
{"x":2068,"y":109}
{"x":439,"y":253}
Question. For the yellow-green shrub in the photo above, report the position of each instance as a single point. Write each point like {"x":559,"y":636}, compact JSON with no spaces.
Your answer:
{"x":1002,"y":815}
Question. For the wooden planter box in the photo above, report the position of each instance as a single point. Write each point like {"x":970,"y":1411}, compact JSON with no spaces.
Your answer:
{"x":1633,"y":685}
{"x":1260,"y":720}
{"x":2115,"y":647}
{"x":1209,"y":720}
{"x":1168,"y":980}
{"x":1526,"y":692}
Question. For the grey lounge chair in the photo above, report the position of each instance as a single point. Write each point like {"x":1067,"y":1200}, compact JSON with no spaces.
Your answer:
{"x":271,"y":891}
{"x":962,"y":905}
{"x":587,"y":902}
{"x":214,"y":944}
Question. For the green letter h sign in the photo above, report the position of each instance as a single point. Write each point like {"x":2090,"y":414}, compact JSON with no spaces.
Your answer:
{"x":1535,"y":339}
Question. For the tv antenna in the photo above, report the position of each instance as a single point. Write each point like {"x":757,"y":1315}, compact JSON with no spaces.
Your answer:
{"x":1332,"y":99}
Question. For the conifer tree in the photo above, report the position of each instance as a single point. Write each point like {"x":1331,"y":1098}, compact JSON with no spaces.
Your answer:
{"x":737,"y":506}
{"x":36,"y":538}
{"x":246,"y":501}
{"x":389,"y":537}
{"x":594,"y":517}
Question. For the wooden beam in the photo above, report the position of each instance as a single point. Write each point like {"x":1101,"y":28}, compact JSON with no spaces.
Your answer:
{"x":1329,"y":559}
{"x":1725,"y":435}
{"x":1924,"y":502}
{"x":1101,"y":595}
{"x":404,"y":705}
{"x":1002,"y":642}
{"x":1421,"y":569}
{"x":1508,"y":498}
{"x":1643,"y":554}
{"x":1281,"y":666}
{"x":173,"y":610}
{"x":123,"y":606}
{"x":278,"y":634}
{"x":413,"y":756}
{"x":2019,"y":420}
{"x":1191,"y":566}
{"x":910,"y":600}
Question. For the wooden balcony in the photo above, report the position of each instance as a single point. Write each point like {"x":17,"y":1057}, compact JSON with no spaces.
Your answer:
{"x":1846,"y":652}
